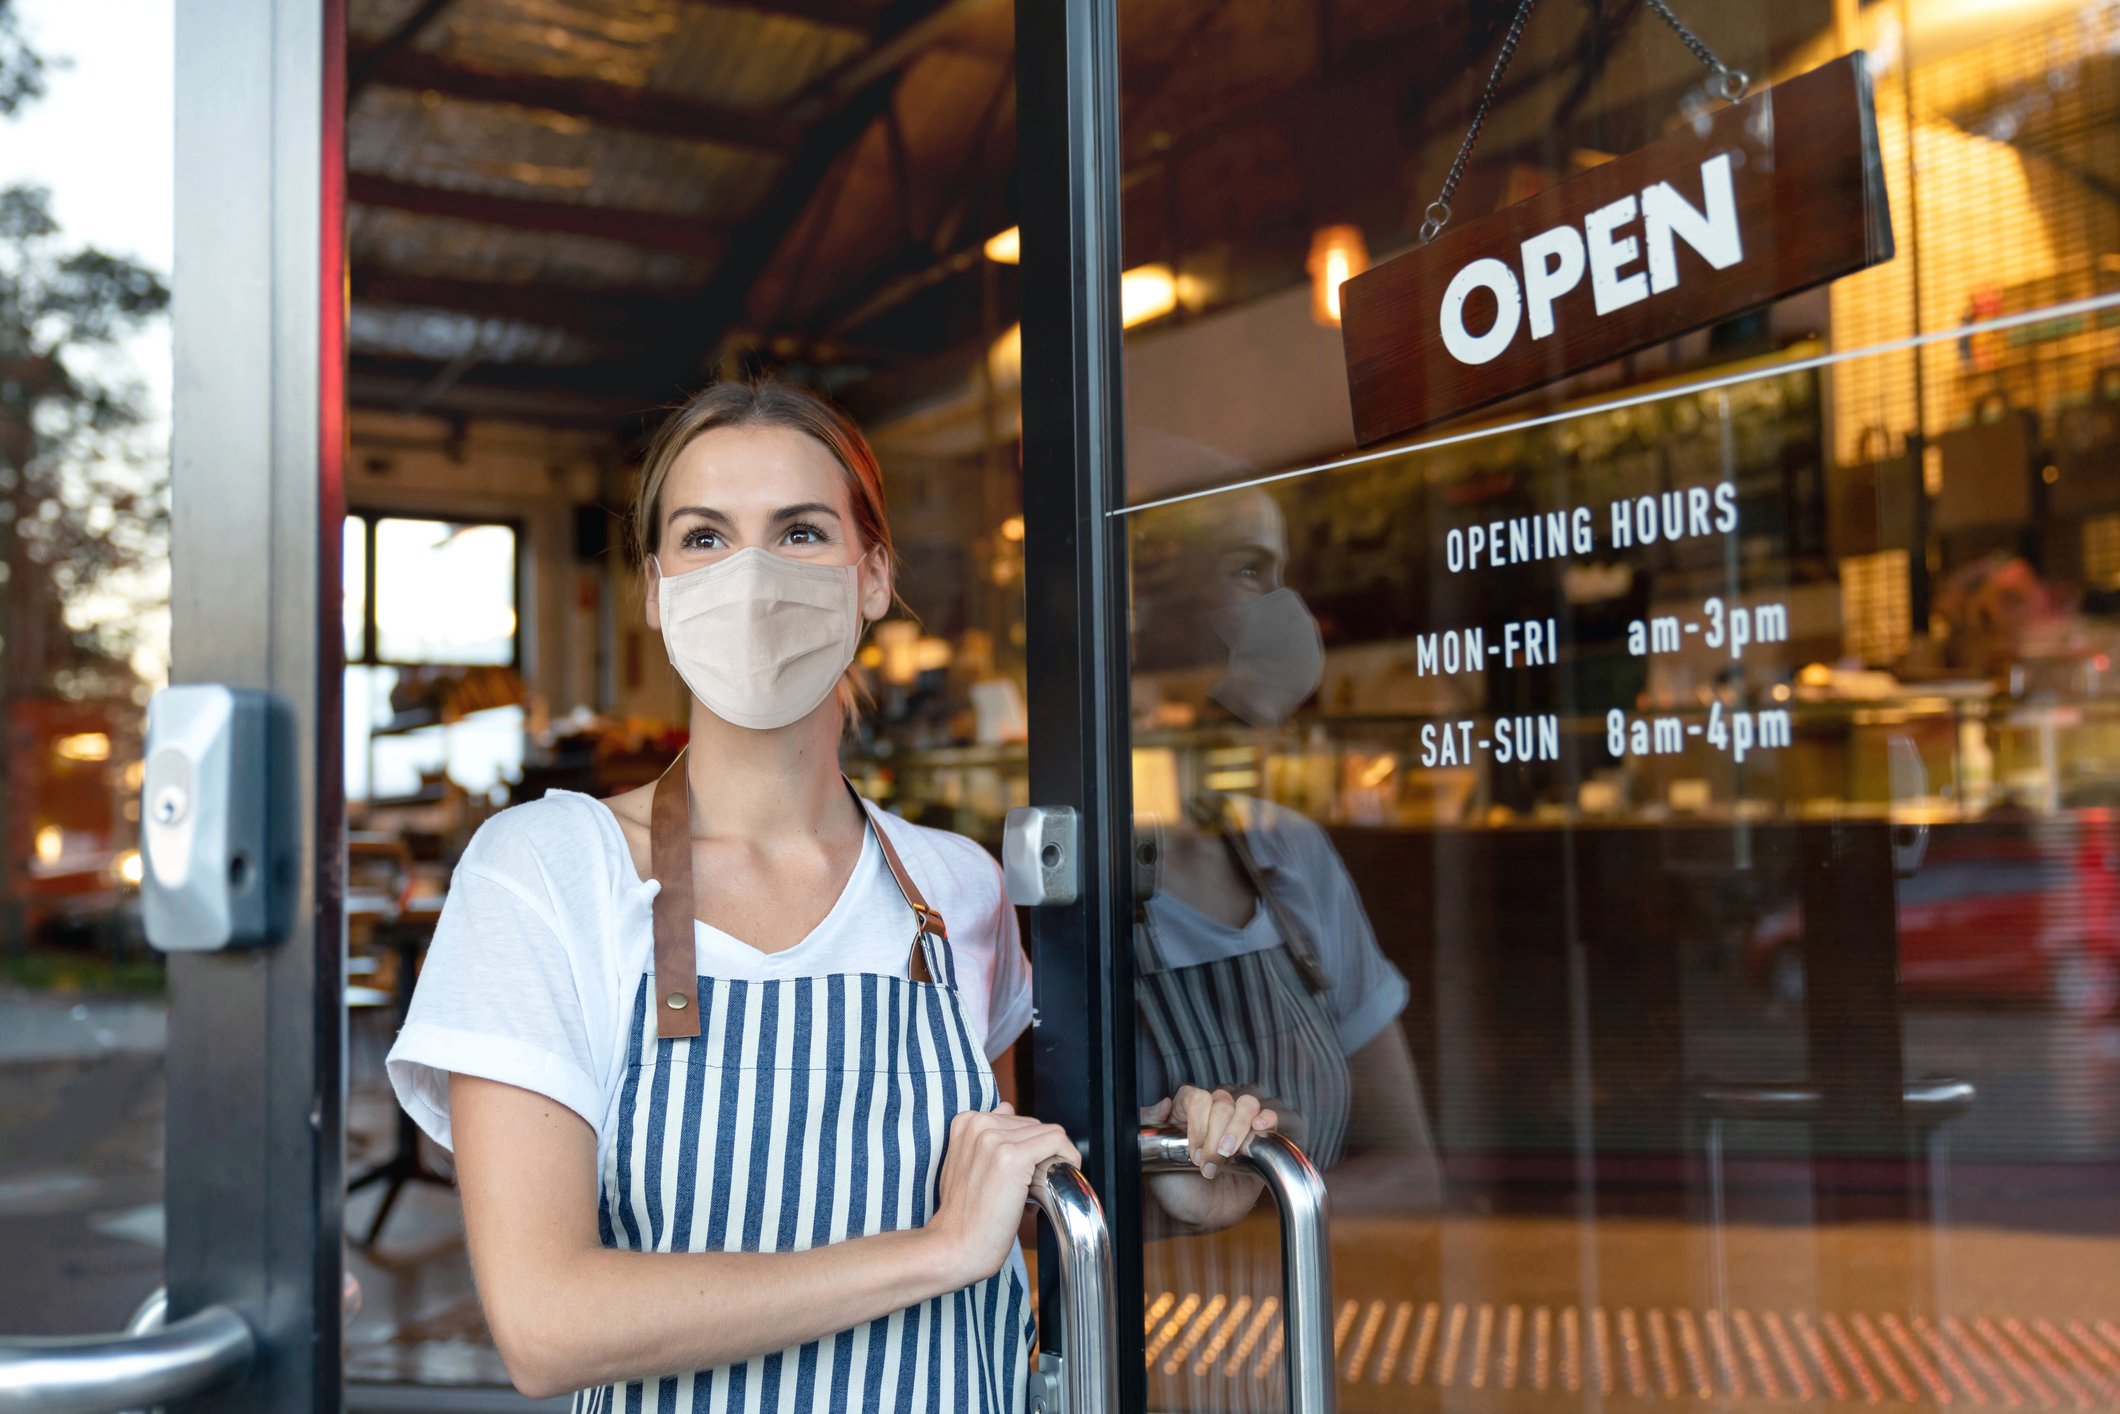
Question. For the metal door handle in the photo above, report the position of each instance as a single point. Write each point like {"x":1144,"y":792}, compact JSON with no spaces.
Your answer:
{"x":1084,"y":1378}
{"x":102,"y":1374}
{"x":1306,"y":1253}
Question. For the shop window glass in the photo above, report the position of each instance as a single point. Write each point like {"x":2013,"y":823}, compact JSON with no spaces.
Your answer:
{"x":438,"y":698}
{"x":444,"y":592}
{"x":1720,"y":948}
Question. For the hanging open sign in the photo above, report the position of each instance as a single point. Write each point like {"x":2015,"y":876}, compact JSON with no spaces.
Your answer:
{"x":1756,"y":201}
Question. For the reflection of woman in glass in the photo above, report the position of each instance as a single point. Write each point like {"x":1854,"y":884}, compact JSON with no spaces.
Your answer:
{"x":1257,"y":969}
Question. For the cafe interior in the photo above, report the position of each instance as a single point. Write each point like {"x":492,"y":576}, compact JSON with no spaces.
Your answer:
{"x":563,"y":215}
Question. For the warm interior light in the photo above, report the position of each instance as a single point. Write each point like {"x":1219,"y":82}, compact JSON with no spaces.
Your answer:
{"x":1337,"y":255}
{"x":1005,"y":359}
{"x":1146,"y":292}
{"x":1012,"y":528}
{"x":1379,"y":771}
{"x":1005,"y":247}
{"x":930,"y":654}
{"x":83,"y":746}
{"x":51,"y":842}
{"x":129,"y":866}
{"x":899,"y":639}
{"x":1156,"y":795}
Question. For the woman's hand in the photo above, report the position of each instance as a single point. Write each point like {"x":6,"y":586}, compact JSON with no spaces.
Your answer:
{"x":1218,"y":1125}
{"x":987,"y":1168}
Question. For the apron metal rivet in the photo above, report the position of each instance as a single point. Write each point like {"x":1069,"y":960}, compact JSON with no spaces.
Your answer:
{"x":675,"y":1001}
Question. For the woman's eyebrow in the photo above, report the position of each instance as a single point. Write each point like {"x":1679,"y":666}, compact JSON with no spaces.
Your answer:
{"x":805,"y":508}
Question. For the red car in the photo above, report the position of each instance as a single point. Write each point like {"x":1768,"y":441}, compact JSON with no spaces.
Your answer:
{"x":2025,"y":911}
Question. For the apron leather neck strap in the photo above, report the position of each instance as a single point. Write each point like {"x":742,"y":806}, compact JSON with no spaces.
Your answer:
{"x":1214,"y":811}
{"x":670,"y":856}
{"x":928,"y":922}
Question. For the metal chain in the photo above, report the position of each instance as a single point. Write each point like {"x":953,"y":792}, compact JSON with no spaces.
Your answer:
{"x":1730,"y":85}
{"x":1437,"y":215}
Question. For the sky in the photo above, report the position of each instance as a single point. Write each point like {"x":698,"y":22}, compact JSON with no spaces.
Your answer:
{"x":101,"y":140}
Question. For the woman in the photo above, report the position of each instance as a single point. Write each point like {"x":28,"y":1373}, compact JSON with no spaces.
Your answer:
{"x":1254,"y":956}
{"x":1256,"y":967}
{"x":720,"y":1079}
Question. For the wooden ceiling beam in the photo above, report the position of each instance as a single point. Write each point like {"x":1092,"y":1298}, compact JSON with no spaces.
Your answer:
{"x":610,"y":105}
{"x":836,"y":111}
{"x":508,"y":392}
{"x":830,"y":14}
{"x":652,"y":230}
{"x":360,"y":68}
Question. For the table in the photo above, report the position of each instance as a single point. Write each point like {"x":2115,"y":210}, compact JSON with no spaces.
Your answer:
{"x":407,"y":935}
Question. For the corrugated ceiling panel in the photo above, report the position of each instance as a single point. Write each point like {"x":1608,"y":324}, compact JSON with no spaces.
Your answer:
{"x":508,"y":151}
{"x":464,"y":250}
{"x":734,"y":57}
{"x":441,"y":336}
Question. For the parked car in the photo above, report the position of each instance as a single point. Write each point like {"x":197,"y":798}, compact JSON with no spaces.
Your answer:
{"x":2023,"y":912}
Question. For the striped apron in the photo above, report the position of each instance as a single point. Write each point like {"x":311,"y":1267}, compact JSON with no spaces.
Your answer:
{"x":1259,"y":1020}
{"x":778,"y":1116}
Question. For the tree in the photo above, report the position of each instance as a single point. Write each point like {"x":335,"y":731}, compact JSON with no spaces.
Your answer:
{"x":21,"y":67}
{"x":83,"y":507}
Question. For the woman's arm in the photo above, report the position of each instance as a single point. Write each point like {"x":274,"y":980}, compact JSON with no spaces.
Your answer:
{"x":1388,"y":1139}
{"x":1387,"y":1114}
{"x":568,"y":1313}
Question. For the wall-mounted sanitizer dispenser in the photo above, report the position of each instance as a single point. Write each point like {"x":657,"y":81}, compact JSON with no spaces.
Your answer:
{"x":218,"y":831}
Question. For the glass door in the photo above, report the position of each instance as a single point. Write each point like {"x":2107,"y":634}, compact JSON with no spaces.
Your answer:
{"x":1685,"y":940}
{"x":177,"y":1186}
{"x":255,"y":1134}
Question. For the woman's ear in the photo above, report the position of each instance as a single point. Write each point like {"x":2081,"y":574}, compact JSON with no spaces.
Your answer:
{"x":651,"y":591}
{"x":876,"y":585}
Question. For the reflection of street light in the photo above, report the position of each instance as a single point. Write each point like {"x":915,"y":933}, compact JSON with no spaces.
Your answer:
{"x":51,"y":843}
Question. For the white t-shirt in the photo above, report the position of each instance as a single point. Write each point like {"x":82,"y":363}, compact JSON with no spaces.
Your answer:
{"x":1364,"y":991}
{"x":547,"y":931}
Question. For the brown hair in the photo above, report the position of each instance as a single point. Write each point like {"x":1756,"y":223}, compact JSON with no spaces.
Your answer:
{"x":767,"y":402}
{"x":761,"y":402}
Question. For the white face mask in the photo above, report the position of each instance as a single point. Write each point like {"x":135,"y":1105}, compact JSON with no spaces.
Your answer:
{"x":1276,"y":657}
{"x":759,"y":638}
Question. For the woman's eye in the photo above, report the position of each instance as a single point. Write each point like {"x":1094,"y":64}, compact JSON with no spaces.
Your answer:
{"x":803,"y":533}
{"x":701,"y":539}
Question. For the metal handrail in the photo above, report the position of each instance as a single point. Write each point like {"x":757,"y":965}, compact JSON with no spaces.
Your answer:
{"x":102,"y":1374}
{"x":1306,"y":1254}
{"x":1927,"y":1102}
{"x":1086,"y":1379}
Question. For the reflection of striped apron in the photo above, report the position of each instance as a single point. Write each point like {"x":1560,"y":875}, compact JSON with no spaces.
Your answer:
{"x":1258,"y":1020}
{"x":782,"y":1115}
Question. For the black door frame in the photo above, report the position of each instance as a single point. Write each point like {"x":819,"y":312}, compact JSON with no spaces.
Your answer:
{"x":254,"y":1184}
{"x":1075,"y":611}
